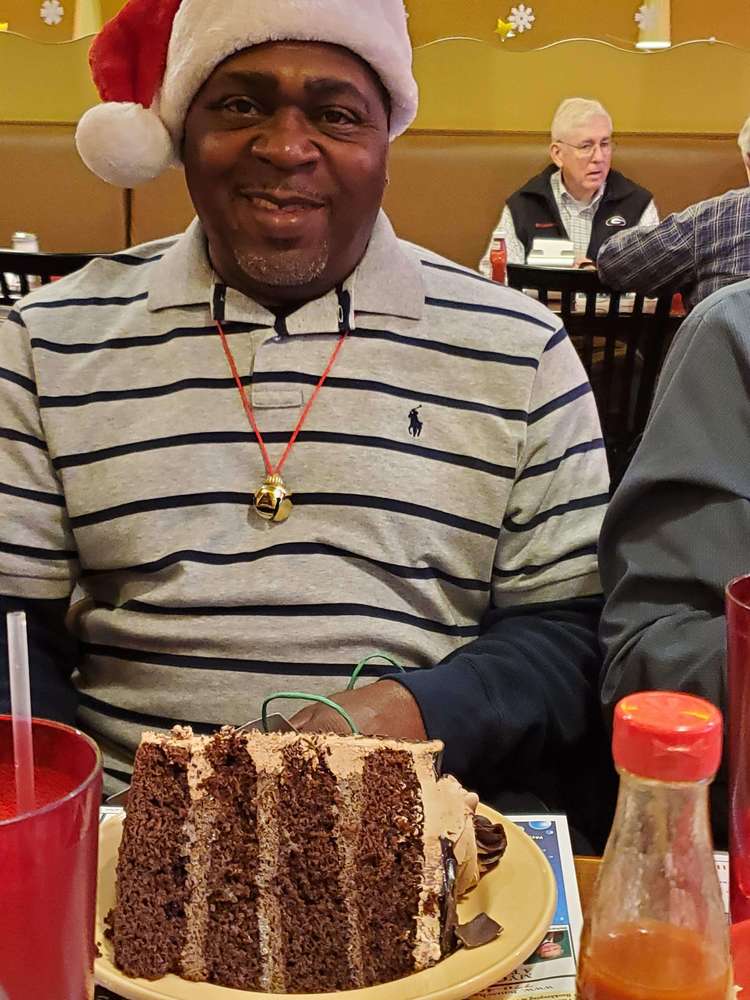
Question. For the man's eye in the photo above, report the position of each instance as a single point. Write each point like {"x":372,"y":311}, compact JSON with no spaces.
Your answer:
{"x":336,"y":116}
{"x":586,"y":147}
{"x":240,"y":105}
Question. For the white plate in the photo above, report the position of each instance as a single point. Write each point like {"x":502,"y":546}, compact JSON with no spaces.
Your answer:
{"x":520,"y":894}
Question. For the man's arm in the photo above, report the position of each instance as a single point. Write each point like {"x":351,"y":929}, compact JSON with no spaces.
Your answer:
{"x":53,"y":655}
{"x":526,"y":686}
{"x":651,"y":260}
{"x":678,"y":527}
{"x":38,"y":560}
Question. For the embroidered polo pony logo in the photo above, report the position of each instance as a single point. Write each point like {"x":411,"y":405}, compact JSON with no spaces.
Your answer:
{"x":415,"y":424}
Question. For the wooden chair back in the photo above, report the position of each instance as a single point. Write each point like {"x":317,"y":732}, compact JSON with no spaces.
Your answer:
{"x":21,"y":271}
{"x":622,"y":339}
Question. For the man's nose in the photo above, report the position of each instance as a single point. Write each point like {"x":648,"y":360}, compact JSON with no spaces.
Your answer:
{"x":597,"y":155}
{"x":285,"y":141}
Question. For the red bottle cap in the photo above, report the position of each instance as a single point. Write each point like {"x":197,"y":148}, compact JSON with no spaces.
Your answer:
{"x":667,"y":736}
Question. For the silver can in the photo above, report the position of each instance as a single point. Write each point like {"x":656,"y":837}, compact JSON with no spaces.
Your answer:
{"x":27,"y":242}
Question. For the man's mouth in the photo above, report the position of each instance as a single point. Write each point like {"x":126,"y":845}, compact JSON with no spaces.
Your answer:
{"x":287,"y":202}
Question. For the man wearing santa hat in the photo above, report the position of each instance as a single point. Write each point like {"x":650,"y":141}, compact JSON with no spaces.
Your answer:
{"x":212,"y":487}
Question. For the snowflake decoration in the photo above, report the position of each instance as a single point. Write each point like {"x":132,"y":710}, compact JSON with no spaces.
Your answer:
{"x":52,"y":12}
{"x":522,"y":18}
{"x":645,"y":17}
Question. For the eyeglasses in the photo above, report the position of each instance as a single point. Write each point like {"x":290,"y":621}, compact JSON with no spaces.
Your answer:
{"x":586,"y":150}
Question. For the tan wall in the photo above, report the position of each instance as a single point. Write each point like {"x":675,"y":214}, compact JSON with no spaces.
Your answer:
{"x":484,"y":84}
{"x":77,"y":18}
{"x":22,"y":17}
{"x":610,"y":20}
{"x":44,"y":83}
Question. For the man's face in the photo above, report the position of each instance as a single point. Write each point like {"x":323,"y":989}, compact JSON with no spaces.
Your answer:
{"x":585,"y":156}
{"x":285,"y":155}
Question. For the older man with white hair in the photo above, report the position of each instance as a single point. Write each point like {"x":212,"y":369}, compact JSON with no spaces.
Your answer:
{"x":578,"y":196}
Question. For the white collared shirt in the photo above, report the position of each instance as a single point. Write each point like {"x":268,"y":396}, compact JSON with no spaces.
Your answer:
{"x":576,"y":216}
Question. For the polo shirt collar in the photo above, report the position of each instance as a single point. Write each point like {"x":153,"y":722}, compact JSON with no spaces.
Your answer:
{"x":183,"y":276}
{"x":388,"y":281}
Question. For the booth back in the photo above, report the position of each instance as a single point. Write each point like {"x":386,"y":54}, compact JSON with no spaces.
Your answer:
{"x":46,"y":189}
{"x":446,"y":189}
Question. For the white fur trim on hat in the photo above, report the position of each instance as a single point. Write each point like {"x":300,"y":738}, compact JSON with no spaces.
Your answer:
{"x":124,"y":143}
{"x":204,"y":34}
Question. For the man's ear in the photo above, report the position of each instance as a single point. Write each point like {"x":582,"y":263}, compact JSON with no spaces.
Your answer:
{"x":554,"y":154}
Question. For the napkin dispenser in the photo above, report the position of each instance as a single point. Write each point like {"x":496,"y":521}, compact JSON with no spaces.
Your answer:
{"x":551,"y":253}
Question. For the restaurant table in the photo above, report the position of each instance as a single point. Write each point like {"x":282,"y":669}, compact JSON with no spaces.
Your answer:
{"x":586,"y":871}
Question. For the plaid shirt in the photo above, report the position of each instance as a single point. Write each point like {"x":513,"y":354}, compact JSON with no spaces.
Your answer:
{"x":697,"y":251}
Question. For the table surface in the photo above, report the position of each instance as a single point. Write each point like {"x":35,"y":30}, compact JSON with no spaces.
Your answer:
{"x":586,"y":871}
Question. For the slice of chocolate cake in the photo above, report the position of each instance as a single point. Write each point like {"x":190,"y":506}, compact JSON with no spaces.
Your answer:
{"x":289,"y":862}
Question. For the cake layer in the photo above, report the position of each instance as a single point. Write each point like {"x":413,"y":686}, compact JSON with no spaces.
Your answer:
{"x":149,"y":923}
{"x":231,"y":937}
{"x":390,"y":865}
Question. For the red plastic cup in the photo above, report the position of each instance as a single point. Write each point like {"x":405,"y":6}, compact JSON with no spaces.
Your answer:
{"x":741,"y":953}
{"x":48,"y":867}
{"x":738,"y":670}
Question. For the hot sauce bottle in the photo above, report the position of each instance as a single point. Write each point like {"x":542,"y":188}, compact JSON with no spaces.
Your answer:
{"x":499,"y":258}
{"x":657,"y":929}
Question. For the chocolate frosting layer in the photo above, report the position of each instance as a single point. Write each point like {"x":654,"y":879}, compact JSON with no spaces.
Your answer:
{"x":491,"y":842}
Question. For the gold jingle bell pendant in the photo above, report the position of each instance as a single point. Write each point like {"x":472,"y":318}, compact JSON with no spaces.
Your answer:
{"x":273,"y":501}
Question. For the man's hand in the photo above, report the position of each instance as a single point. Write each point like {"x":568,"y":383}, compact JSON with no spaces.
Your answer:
{"x":385,"y":708}
{"x":585,"y":263}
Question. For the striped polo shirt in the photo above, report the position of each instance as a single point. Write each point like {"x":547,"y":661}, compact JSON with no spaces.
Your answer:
{"x":452,"y":461}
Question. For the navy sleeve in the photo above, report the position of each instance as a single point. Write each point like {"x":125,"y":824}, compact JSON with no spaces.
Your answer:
{"x":53,"y":655}
{"x":526,"y":688}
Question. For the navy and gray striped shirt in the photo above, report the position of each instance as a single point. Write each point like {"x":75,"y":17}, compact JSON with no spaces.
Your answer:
{"x":452,"y":462}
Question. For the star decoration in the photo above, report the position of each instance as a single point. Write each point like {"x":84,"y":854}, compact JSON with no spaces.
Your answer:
{"x":504,"y":29}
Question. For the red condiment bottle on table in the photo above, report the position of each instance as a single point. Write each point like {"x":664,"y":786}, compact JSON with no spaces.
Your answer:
{"x":656,"y":929}
{"x":499,"y":258}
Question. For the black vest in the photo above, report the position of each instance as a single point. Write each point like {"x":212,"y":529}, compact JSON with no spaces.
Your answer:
{"x":535,"y":213}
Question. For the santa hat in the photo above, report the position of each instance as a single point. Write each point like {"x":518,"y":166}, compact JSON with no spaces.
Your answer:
{"x":150,"y":60}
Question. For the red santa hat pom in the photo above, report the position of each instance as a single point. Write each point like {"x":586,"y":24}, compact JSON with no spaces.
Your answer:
{"x":123,"y":140}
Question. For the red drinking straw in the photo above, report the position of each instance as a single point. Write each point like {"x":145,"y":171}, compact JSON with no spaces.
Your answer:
{"x":20,"y":708}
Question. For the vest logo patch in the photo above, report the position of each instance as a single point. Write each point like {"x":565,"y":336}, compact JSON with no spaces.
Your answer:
{"x":616,"y":220}
{"x":548,"y":225}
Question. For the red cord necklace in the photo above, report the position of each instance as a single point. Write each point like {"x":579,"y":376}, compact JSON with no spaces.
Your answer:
{"x":273,"y":501}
